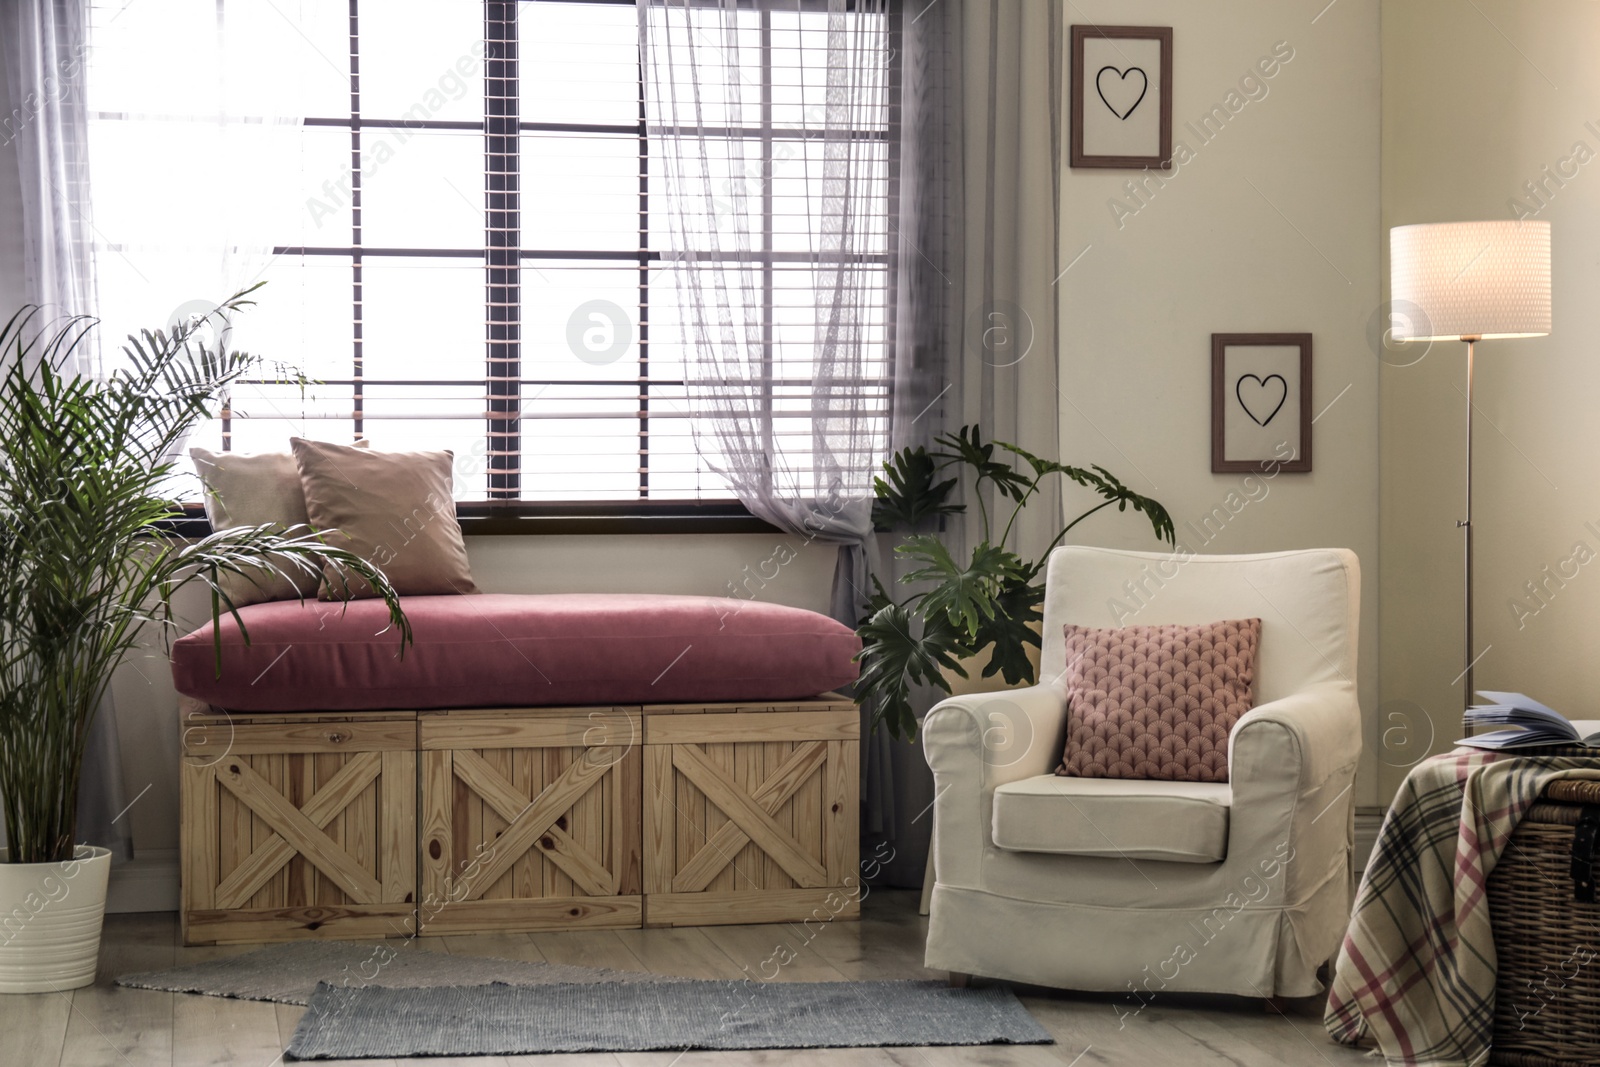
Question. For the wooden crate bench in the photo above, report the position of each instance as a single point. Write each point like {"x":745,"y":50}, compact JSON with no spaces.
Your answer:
{"x":386,"y":824}
{"x":298,"y":826}
{"x":530,"y":819}
{"x":750,"y":813}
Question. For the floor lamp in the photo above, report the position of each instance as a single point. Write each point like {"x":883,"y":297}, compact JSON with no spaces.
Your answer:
{"x":1469,"y":281}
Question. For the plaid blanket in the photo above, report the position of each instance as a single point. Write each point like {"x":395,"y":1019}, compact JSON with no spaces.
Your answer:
{"x":1416,"y":973}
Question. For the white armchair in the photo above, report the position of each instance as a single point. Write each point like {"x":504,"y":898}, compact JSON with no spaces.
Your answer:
{"x":1146,"y":886}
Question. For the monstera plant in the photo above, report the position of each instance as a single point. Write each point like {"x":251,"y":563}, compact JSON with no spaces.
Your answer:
{"x":962,"y":608}
{"x":86,"y":568}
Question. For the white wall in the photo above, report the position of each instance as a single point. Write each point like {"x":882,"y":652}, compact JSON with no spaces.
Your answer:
{"x":1486,"y":98}
{"x":1272,"y":226}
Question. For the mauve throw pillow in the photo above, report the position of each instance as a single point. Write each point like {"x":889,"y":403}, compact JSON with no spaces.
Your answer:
{"x":255,"y":489}
{"x":393,"y":509}
{"x":1157,"y":701}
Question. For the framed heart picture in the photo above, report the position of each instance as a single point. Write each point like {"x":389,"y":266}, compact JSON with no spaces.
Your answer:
{"x":1121,"y":89}
{"x":1260,"y":402}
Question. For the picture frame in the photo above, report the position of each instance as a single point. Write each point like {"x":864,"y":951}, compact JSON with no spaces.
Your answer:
{"x":1119,"y":120}
{"x":1260,"y":402}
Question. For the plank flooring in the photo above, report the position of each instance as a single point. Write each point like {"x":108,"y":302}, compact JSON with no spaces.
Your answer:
{"x":105,"y":1026}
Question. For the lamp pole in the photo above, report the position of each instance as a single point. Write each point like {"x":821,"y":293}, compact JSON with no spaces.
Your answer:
{"x":1466,"y":527}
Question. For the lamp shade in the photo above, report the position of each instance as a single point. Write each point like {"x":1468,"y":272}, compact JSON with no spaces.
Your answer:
{"x":1449,"y":280}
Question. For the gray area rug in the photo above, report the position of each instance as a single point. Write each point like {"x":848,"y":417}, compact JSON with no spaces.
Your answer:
{"x":286,"y":974}
{"x":498,"y":1020}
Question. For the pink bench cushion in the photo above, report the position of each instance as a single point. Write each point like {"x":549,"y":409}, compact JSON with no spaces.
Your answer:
{"x":516,"y":651}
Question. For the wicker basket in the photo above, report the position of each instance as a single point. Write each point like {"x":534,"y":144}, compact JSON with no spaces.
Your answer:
{"x":1547,"y":992}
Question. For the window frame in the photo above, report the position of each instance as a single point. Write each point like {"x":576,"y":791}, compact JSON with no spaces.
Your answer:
{"x":502,"y":511}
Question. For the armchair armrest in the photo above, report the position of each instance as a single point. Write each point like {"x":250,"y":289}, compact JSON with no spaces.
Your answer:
{"x":974,"y":744}
{"x":1317,"y":728}
{"x":1292,"y":764}
{"x":989,"y":739}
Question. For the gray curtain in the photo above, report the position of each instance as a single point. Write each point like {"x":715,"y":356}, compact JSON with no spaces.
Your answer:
{"x":1014,"y":56}
{"x":45,"y":42}
{"x":981,"y":95}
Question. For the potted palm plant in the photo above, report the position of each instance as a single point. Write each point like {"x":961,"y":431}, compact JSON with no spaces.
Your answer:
{"x":961,"y":609}
{"x":85,"y":569}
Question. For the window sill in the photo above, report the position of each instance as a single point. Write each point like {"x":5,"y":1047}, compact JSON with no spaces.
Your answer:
{"x":480,"y":519}
{"x":622,"y":517}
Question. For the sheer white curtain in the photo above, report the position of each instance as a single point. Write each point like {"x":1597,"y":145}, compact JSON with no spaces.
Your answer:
{"x":45,"y":44}
{"x":769,"y":129}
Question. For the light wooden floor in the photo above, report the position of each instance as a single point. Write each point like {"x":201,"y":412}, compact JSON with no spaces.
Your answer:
{"x":104,"y":1026}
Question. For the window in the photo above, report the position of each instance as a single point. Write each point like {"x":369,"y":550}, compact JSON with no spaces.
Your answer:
{"x":450,"y":202}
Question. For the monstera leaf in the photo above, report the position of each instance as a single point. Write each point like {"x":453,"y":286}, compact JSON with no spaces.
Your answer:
{"x":1012,"y":629}
{"x":909,"y":493}
{"x":964,"y":595}
{"x":1104,"y":483}
{"x":966,"y":446}
{"x":899,"y":650}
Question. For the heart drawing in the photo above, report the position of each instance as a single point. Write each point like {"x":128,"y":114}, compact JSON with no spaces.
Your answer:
{"x":1122,"y":90}
{"x":1260,"y":396}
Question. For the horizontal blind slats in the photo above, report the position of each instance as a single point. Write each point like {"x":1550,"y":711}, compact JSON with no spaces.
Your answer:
{"x":556,"y":201}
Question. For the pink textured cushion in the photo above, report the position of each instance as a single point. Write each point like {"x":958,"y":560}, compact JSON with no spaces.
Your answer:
{"x":498,"y":649}
{"x":1157,"y":701}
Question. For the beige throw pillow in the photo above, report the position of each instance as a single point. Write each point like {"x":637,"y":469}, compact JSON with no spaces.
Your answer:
{"x":242,"y":489}
{"x":393,"y":509}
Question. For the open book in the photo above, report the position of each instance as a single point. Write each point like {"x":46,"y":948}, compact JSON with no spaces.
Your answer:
{"x":1533,"y":724}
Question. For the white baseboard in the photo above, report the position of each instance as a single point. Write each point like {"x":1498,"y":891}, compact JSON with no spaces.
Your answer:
{"x":1367,"y":824}
{"x":148,"y":883}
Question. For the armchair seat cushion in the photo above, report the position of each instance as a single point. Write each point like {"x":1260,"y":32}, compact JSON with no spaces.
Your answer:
{"x":1177,"y":822}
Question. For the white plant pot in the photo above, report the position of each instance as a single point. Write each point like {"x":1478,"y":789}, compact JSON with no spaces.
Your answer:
{"x":50,"y":917}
